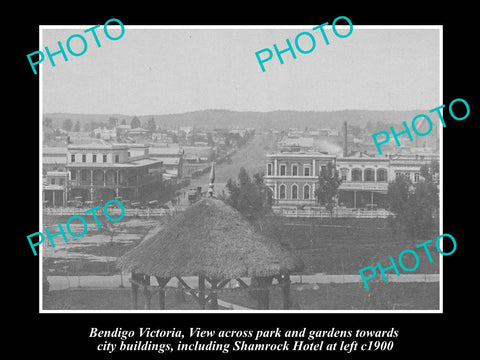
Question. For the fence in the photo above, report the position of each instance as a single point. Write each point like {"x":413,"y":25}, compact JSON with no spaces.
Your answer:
{"x":336,"y":213}
{"x":148,"y":212}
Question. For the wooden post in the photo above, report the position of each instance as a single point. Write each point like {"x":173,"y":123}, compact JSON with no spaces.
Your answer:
{"x":285,"y":281}
{"x":147,"y":293}
{"x":260,"y":291}
{"x":161,"y":299}
{"x":201,"y":291}
{"x":134,"y":292}
{"x":162,"y":282}
{"x":213,"y":294}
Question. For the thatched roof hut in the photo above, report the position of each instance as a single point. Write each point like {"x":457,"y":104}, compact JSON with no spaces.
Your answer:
{"x":209,"y":239}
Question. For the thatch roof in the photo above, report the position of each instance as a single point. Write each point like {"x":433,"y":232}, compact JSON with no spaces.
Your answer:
{"x":212,"y":239}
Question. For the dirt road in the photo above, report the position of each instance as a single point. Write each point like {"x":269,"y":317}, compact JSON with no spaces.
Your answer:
{"x":251,"y":157}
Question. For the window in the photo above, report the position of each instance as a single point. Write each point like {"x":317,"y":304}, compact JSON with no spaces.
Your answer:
{"x":344,"y":174}
{"x":306,"y":171}
{"x":398,"y":175}
{"x":283,"y":169}
{"x":269,"y":169}
{"x":62,"y":181}
{"x":104,"y":158}
{"x":306,"y":192}
{"x":84,"y":158}
{"x":369,"y":175}
{"x":117,"y":158}
{"x":72,"y":158}
{"x":294,"y":192}
{"x":282,"y":191}
{"x":381,"y":175}
{"x":356,"y":175}
{"x":94,"y":158}
{"x":52,"y":181}
{"x":417,"y":177}
{"x":323,"y":169}
{"x":407,"y":175}
{"x":73,"y":175}
{"x":294,"y":170}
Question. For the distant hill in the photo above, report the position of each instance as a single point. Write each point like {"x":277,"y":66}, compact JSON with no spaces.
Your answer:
{"x":210,"y":119}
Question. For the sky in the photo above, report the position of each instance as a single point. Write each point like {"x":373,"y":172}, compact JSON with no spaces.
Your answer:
{"x":172,"y":70}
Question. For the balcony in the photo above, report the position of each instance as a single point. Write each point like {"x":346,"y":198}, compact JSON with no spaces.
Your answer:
{"x":364,"y":185}
{"x":112,"y":183}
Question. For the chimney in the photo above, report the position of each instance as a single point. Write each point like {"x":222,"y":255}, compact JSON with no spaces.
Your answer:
{"x":345,"y":145}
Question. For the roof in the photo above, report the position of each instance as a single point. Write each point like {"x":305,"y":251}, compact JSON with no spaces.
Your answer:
{"x":169,"y":161}
{"x":139,"y":129}
{"x":55,"y":159}
{"x":212,"y":239}
{"x":300,"y":141}
{"x":132,"y":145}
{"x":54,"y":150}
{"x":300,"y":154}
{"x":169,"y":175}
{"x":154,"y":150}
{"x":57,"y":173}
{"x":129,"y":164}
{"x":98,"y":146}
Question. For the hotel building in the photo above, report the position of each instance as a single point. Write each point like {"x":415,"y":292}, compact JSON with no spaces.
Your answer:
{"x":293,"y":176}
{"x":100,"y":172}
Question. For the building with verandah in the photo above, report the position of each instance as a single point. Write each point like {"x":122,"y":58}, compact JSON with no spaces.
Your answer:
{"x":100,"y":172}
{"x":292,"y":176}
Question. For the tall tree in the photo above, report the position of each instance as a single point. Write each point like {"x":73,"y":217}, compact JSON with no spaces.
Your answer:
{"x":430,"y":172}
{"x":67,"y":125}
{"x":249,"y":197}
{"x":112,"y":122}
{"x":76,"y":128}
{"x":415,"y":205}
{"x":151,"y":126}
{"x":327,"y":186}
{"x":398,"y":194}
{"x":135,"y":123}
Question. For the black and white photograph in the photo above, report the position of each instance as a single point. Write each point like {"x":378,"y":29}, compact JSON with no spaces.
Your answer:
{"x":243,"y":189}
{"x":225,"y":187}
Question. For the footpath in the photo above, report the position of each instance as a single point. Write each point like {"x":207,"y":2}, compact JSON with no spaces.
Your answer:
{"x":113,"y":281}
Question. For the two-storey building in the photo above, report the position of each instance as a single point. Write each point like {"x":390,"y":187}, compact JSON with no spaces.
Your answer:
{"x":364,"y":181}
{"x":292,"y":176}
{"x":107,"y":171}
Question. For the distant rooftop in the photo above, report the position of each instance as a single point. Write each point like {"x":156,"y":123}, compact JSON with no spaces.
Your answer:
{"x":104,"y":146}
{"x":54,"y":150}
{"x":301,"y":154}
{"x":155,"y":150}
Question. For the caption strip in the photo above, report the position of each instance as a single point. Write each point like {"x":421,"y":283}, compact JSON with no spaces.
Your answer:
{"x":226,"y":341}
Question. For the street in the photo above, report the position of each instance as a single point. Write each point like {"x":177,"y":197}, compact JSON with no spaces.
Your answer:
{"x":251,"y":157}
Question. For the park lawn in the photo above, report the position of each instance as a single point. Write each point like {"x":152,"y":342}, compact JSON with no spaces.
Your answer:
{"x":381,"y":296}
{"x":331,"y":246}
{"x":111,"y":299}
{"x":349,"y":296}
{"x":343,"y":246}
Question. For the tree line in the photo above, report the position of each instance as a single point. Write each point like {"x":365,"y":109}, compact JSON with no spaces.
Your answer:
{"x":68,"y":125}
{"x":415,"y":205}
